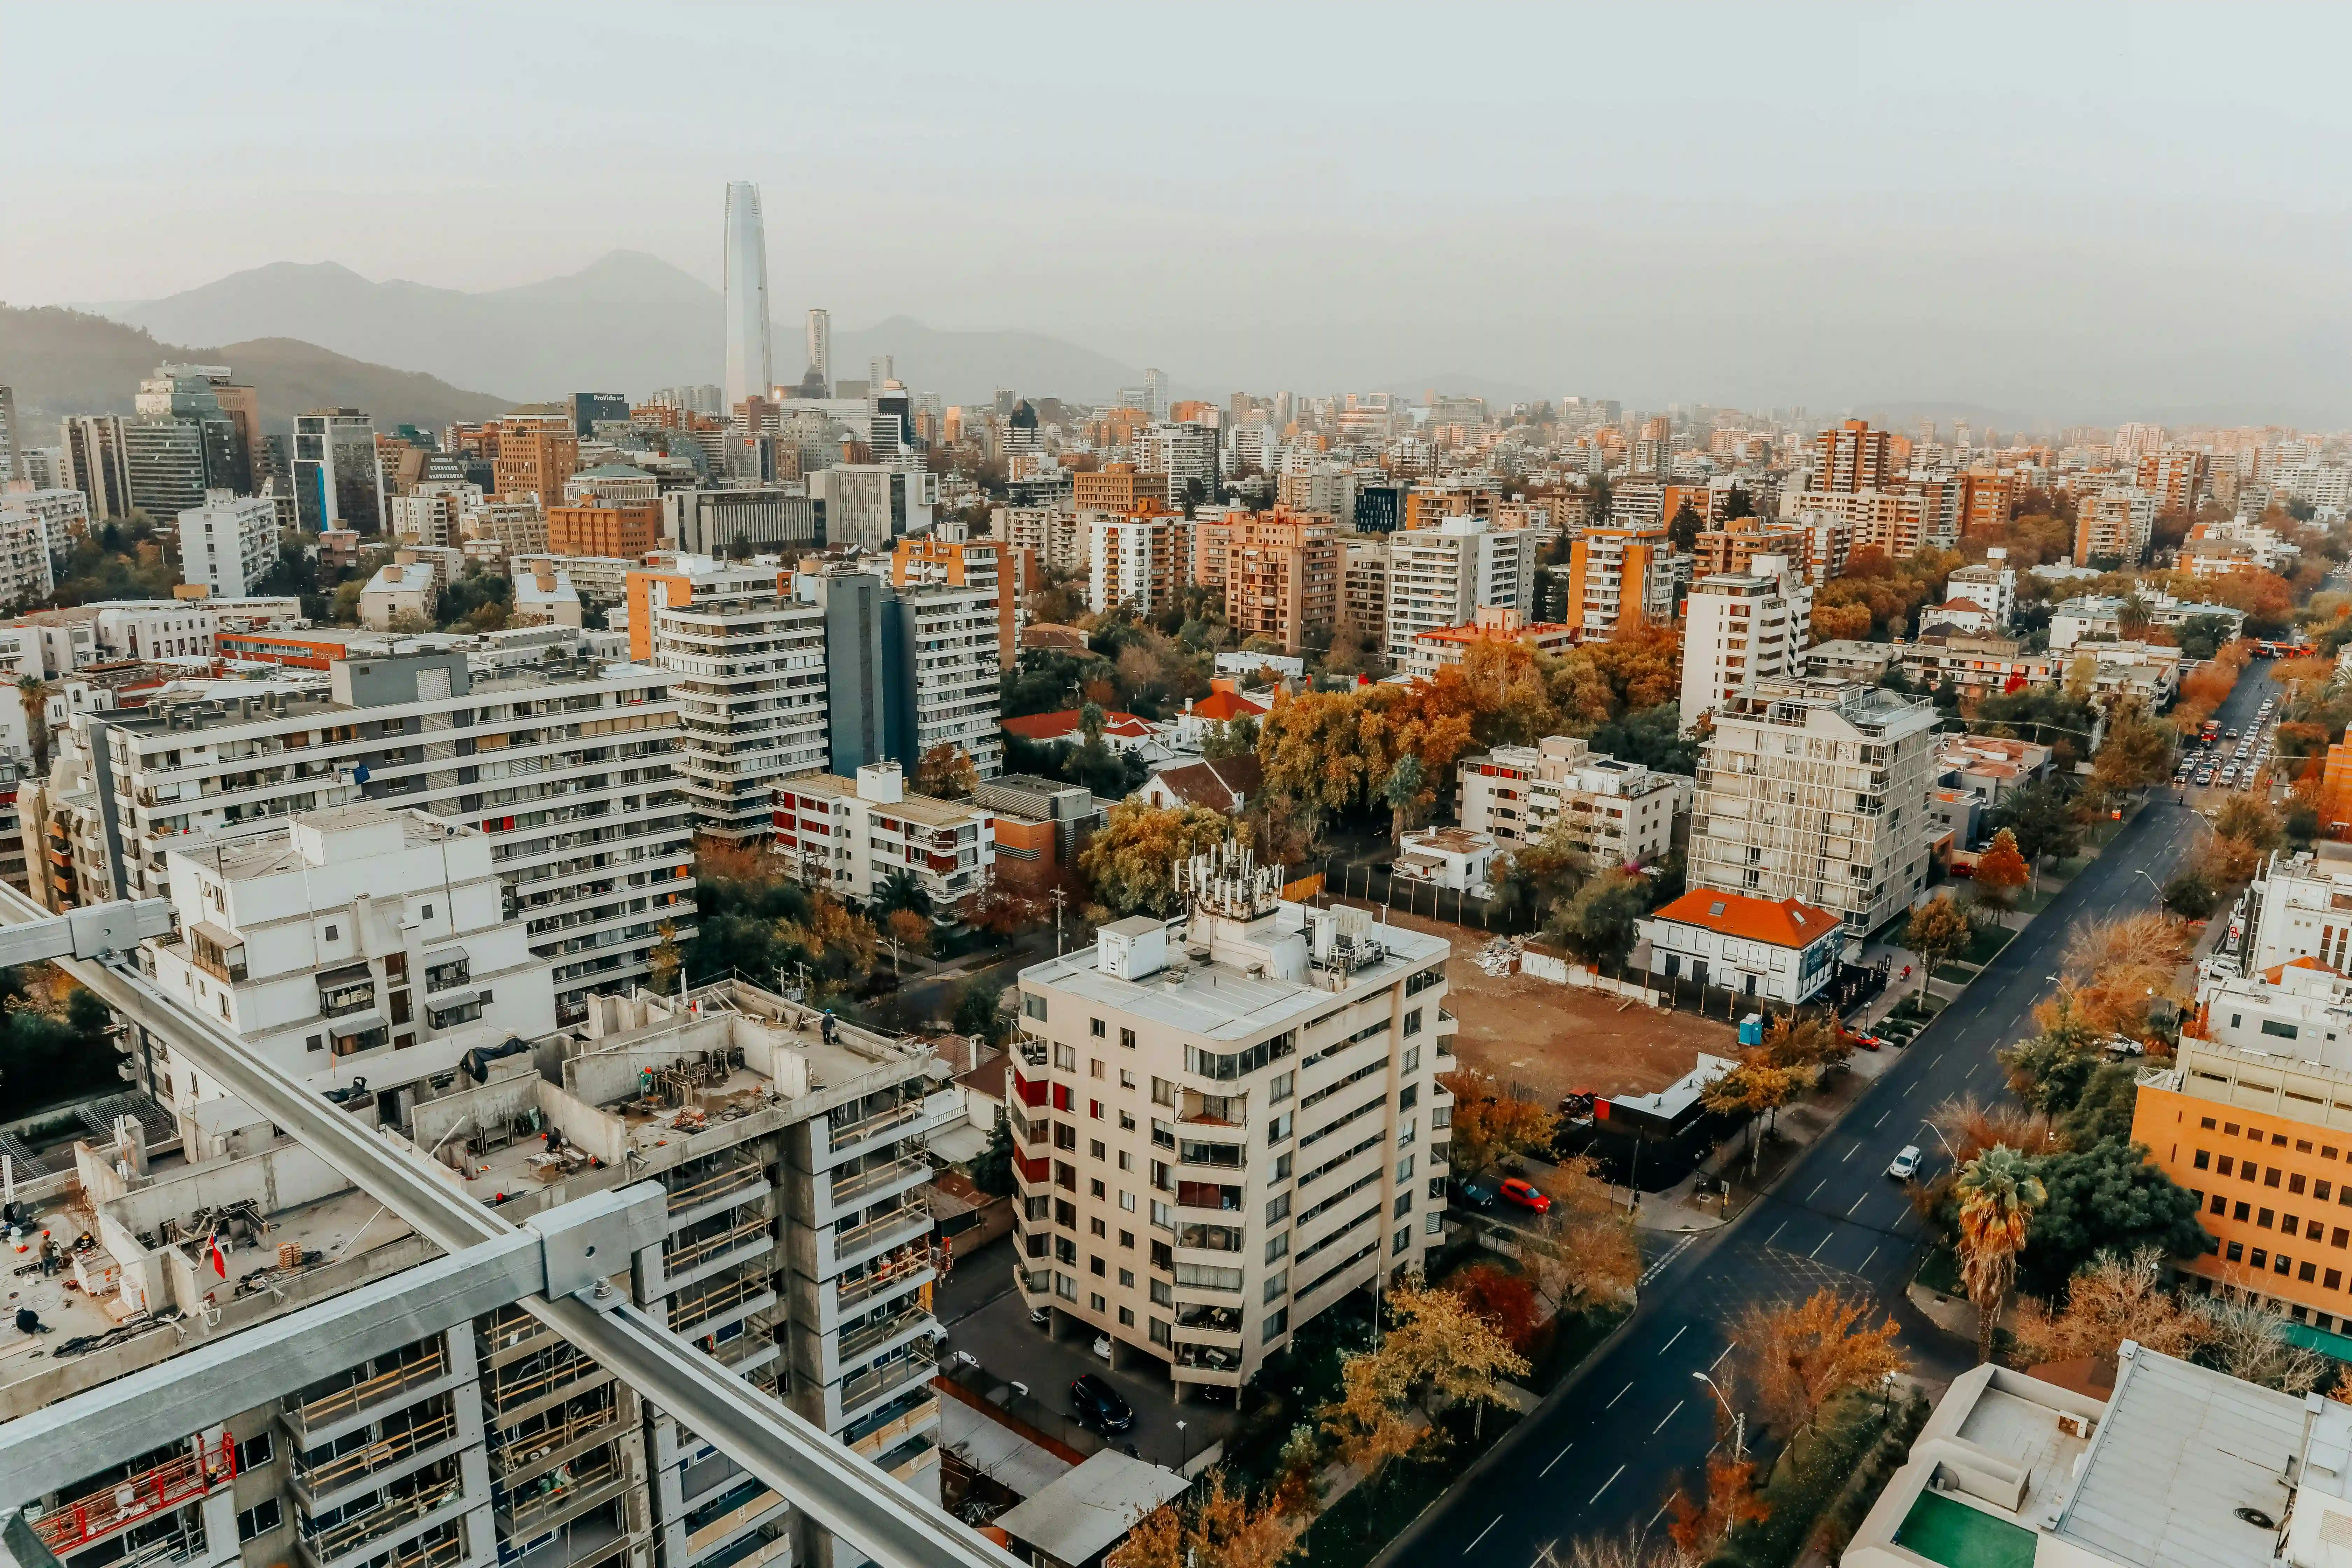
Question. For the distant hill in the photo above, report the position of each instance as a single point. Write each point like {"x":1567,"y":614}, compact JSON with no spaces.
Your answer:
{"x":66,"y":362}
{"x":627,"y":323}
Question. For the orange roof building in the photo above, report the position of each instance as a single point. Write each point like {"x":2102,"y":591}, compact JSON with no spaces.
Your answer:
{"x":1775,"y":949}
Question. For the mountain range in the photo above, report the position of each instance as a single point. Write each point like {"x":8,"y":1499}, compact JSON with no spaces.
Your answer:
{"x":70,"y":362}
{"x":627,"y":323}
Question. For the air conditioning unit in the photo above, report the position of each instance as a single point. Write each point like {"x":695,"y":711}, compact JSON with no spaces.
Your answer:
{"x":2073,"y":1424}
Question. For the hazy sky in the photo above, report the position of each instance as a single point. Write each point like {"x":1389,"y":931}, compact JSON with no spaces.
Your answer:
{"x":2052,"y":206}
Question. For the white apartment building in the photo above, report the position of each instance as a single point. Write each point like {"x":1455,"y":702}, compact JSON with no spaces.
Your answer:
{"x":355,"y":943}
{"x":2300,"y":907}
{"x":1187,"y":454}
{"x":228,"y":544}
{"x":434,"y":512}
{"x":1991,"y":585}
{"x":1223,"y":1127}
{"x":748,"y":662}
{"x":852,"y":838}
{"x":1135,"y":559}
{"x":1741,"y":628}
{"x":1442,"y":576}
{"x":568,"y":768}
{"x":1817,"y":791}
{"x":1616,"y":813}
{"x":516,"y":524}
{"x":2102,"y":616}
{"x":30,"y":542}
{"x":946,"y":680}
{"x":1364,"y":589}
{"x":1060,"y":541}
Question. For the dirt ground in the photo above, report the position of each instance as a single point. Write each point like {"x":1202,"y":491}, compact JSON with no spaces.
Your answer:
{"x":1555,"y":1039}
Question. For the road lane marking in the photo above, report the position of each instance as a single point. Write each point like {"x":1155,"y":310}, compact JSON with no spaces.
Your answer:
{"x":1556,"y":1459}
{"x":1866,"y":1262}
{"x":1776,"y":1232}
{"x":1857,"y":1204}
{"x":1621,"y":1394}
{"x":1670,"y":1343}
{"x":1605,"y":1486}
{"x":1669,"y":1416}
{"x":1660,"y":1514}
{"x":1483,"y":1535}
{"x":1817,"y":1187}
{"x":1848,"y":1154}
{"x":1882,"y":1116}
{"x":1816,"y":1252}
{"x":1718,"y":1361}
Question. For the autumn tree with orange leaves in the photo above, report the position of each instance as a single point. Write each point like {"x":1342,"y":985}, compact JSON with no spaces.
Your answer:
{"x":2000,"y":872}
{"x":1799,"y":1358}
{"x":1729,"y":1499}
{"x":1221,"y":1527}
{"x":1489,"y":1124}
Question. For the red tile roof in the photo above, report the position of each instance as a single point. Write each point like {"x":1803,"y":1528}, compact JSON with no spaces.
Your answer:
{"x":1063,"y":725}
{"x":1225,"y":707}
{"x":1784,"y":924}
{"x":2277,"y":973}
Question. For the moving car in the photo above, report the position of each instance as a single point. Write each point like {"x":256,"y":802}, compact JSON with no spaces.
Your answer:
{"x":1905,"y":1164}
{"x":1099,"y":1405}
{"x":1523,"y":1192}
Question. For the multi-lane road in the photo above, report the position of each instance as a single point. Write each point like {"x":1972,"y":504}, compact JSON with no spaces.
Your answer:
{"x":1604,"y":1452}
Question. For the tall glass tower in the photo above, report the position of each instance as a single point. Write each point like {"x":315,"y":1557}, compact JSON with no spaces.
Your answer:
{"x":750,"y":372}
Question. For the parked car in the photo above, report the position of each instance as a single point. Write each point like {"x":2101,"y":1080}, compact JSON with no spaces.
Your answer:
{"x":1905,"y":1164}
{"x":1099,"y":1405}
{"x":1526,"y":1195}
{"x":1854,"y":1038}
{"x":1472,"y":1195}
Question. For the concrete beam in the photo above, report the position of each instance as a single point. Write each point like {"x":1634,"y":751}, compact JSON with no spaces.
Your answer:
{"x":841,"y":1491}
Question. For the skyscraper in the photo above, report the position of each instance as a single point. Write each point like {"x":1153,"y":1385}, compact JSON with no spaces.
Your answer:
{"x":819,"y":348}
{"x":750,"y":370}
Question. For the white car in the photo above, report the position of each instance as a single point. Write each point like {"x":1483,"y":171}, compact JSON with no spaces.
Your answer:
{"x":1905,"y":1164}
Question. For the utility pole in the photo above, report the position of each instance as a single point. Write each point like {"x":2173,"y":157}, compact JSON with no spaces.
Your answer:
{"x":1059,"y":898}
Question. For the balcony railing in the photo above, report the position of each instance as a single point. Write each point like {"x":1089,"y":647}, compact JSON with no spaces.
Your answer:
{"x":431,"y":1554}
{"x":890,"y":1269}
{"x":520,"y":1384}
{"x":858,"y":1342}
{"x":385,"y":1450}
{"x":899,"y":1221}
{"x":678,"y":1259}
{"x":354,"y":1532}
{"x":525,"y":1513}
{"x":866,"y":1126}
{"x":714,"y":1298}
{"x":358,"y":1396}
{"x":526,"y":1448}
{"x":715,"y":1185}
{"x":874,"y":1381}
{"x":848,"y":1189}
{"x":182,"y":1479}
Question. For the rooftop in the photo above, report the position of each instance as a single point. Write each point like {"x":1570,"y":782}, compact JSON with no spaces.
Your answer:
{"x":1783,"y":923}
{"x":1089,"y":1508}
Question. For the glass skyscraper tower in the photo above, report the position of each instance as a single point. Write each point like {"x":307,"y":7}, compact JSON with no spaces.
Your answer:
{"x":750,"y":372}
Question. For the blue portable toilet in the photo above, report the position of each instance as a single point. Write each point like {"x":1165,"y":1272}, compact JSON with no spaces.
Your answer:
{"x":1752,"y":1030}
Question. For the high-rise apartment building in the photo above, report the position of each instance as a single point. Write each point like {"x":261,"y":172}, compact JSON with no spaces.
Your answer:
{"x":338,"y":478}
{"x":942,"y":671}
{"x":750,"y":369}
{"x":1007,"y":571}
{"x":2175,"y":477}
{"x":1817,"y":791}
{"x":600,"y":527}
{"x":537,"y":453}
{"x":747,"y":663}
{"x":1852,"y":456}
{"x":1440,"y":576}
{"x":1185,"y":454}
{"x":820,"y":350}
{"x":1620,"y":577}
{"x":1195,"y":1184}
{"x":98,"y":460}
{"x":1053,"y":535}
{"x":568,"y":769}
{"x":1741,"y":629}
{"x":855,"y":836}
{"x":228,"y":544}
{"x":12,"y":437}
{"x":2114,"y":525}
{"x":766,"y":520}
{"x":1133,"y":558}
{"x":1613,"y":813}
{"x":1116,"y":488}
{"x":1282,"y":578}
{"x":1364,"y":589}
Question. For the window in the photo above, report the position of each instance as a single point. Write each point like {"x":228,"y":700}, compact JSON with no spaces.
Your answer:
{"x":1405,"y":1169}
{"x":1433,"y":1223}
{"x":1095,"y":1188}
{"x":1125,"y":1122}
{"x":1033,"y":1007}
{"x":1125,"y":1078}
{"x":1277,"y":1248}
{"x":318,"y":1043}
{"x":332,"y":933}
{"x":1279,"y":1208}
{"x":2283,"y":1031}
{"x":1126,"y":1279}
{"x":1067,"y":1058}
{"x":1413,"y":1022}
{"x":2204,"y":1159}
{"x":1094,"y":1148}
{"x":1278,"y":1129}
{"x":2244,"y":1211}
{"x":1127,"y":1239}
{"x":1126,"y":1199}
{"x":1412,"y":1058}
{"x":1126,"y":1040}
{"x":1095,"y":1069}
{"x":1403,"y":1205}
{"x":2265,"y":1217}
{"x":1278,"y":1323}
{"x":1163,"y":1092}
{"x":1282,"y":1168}
{"x":1403,"y":1238}
{"x":1066,"y":1287}
{"x":260,"y":1519}
{"x":2270,"y":1176}
{"x":1094,"y":1028}
{"x":1279,"y":1089}
{"x":1277,"y":1284}
{"x":2225,"y":1166}
{"x":1410,"y":1096}
{"x":1126,"y":1161}
{"x":1095,"y":1226}
{"x":1127,"y":1317}
{"x":253,"y":1452}
{"x":1095,"y":1266}
{"x":2237,"y":1251}
{"x":1161,"y":1334}
{"x":2294,"y":1184}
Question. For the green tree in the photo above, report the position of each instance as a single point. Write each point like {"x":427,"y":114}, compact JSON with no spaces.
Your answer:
{"x":991,"y":1169}
{"x":2105,"y":1198}
{"x":2191,"y":895}
{"x":33,"y":696}
{"x":2104,"y":1108}
{"x":900,"y":891}
{"x":1601,"y":919}
{"x":976,"y":1012}
{"x":1401,"y":790}
{"x":2042,"y":819}
{"x":1938,"y":931}
{"x":1997,"y":1194}
{"x":1132,"y":859}
{"x":1652,"y":737}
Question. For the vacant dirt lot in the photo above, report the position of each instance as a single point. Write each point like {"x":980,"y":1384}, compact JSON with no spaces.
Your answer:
{"x":1555,"y":1039}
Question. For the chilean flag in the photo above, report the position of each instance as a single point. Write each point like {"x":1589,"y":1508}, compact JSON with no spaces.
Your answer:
{"x":219,"y":1258}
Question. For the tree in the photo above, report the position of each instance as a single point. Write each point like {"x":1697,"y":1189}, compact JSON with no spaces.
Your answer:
{"x":2000,"y":872}
{"x":901,"y":892}
{"x":33,"y":695}
{"x":1592,"y":1257}
{"x":1998,"y":1193}
{"x":1402,"y":791}
{"x":2246,"y":1340}
{"x":2105,"y":1198}
{"x":1219,"y":1527}
{"x":1756,"y":1088}
{"x":1536,"y":875}
{"x":909,"y":931}
{"x":1233,"y":738}
{"x":1800,"y":1357}
{"x":2104,"y":1109}
{"x":2118,"y":968}
{"x":2191,"y":895}
{"x":664,"y":963}
{"x":2116,"y":1296}
{"x":977,"y":1014}
{"x":1729,"y":1501}
{"x":2136,"y":753}
{"x":992,"y":1171}
{"x":1636,"y":1547}
{"x":1441,"y":1349}
{"x":1130,"y":861}
{"x":2040,"y":818}
{"x":1505,"y":1299}
{"x":1938,"y":931}
{"x":1487,"y":1126}
{"x":1971,"y":1127}
{"x":946,"y":773}
{"x":1368,"y":1422}
{"x":1601,"y":919}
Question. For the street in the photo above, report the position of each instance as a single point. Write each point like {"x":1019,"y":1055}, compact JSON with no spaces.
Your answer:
{"x":1602,"y":1453}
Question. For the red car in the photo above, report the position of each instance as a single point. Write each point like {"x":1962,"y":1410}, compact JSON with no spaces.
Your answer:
{"x":1518,"y":1190}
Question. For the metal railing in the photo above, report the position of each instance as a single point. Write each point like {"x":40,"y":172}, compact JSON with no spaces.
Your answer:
{"x":848,"y":1189}
{"x":326,"y":1545}
{"x":890,"y":1224}
{"x":891,"y":1271}
{"x":865,"y":1338}
{"x":363,"y":1461}
{"x":529,"y":1447}
{"x":720,"y":1297}
{"x":181,"y":1479}
{"x":525,"y":1513}
{"x":716,"y":1185}
{"x":350,"y":1400}
{"x":874,"y":1381}
{"x":677,"y":1259}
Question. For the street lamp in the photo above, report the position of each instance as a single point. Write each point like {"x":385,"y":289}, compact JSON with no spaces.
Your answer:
{"x":1947,"y":1142}
{"x":1183,"y":1445}
{"x":1739,"y":1421}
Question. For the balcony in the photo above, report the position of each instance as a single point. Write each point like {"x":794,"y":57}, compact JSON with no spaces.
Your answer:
{"x":868,"y":1338}
{"x":541,"y":1376}
{"x":887,"y":1433}
{"x":316,"y":1481}
{"x":847,"y":1190}
{"x":354,"y":1531}
{"x":559,"y":1494}
{"x":543,"y":1444}
{"x":715,"y":1528}
{"x":708,"y":1187}
{"x":120,"y":1504}
{"x":715,"y":1298}
{"x":863,"y":1388}
{"x":683,"y":1256}
{"x":908,"y":1220}
{"x":899,"y":1271}
{"x":328,"y":1409}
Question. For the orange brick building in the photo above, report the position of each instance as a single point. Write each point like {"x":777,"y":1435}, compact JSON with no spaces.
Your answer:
{"x":1113,"y":489}
{"x":1011,"y":573}
{"x":603,"y":528}
{"x":1282,"y":578}
{"x":535,"y":452}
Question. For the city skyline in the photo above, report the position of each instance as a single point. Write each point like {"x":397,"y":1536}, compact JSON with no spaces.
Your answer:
{"x":1935,"y":217}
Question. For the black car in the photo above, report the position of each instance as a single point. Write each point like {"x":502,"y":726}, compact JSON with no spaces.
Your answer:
{"x":1098,"y":1404}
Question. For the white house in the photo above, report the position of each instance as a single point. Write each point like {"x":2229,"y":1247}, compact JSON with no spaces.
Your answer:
{"x":1450,"y":858}
{"x":1776,"y":949}
{"x":397,"y":590}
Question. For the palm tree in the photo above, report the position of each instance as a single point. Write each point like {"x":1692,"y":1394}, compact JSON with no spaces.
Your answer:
{"x":33,"y":693}
{"x":1998,"y":1193}
{"x":1403,"y":786}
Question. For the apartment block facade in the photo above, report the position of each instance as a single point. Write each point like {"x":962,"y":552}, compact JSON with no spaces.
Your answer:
{"x":1817,"y":791}
{"x":1443,"y":576}
{"x":2116,"y":524}
{"x":1282,"y":578}
{"x":1137,"y":557}
{"x":1618,"y":578}
{"x":1615,"y":812}
{"x":1223,"y":1127}
{"x":1741,"y":629}
{"x":852,"y":838}
{"x":229,"y":544}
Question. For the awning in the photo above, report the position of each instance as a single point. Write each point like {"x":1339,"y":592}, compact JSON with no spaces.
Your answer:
{"x":218,"y":937}
{"x":441,"y":955}
{"x":451,"y":1001}
{"x":355,"y":1023}
{"x":344,"y":974}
